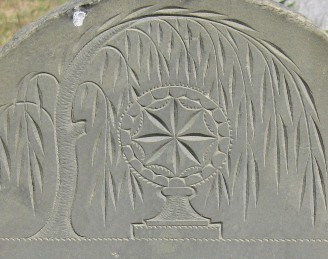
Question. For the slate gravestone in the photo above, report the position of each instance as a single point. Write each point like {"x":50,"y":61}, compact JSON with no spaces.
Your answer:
{"x":164,"y":129}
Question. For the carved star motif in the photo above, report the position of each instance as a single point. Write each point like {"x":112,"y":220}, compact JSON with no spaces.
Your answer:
{"x":174,"y":136}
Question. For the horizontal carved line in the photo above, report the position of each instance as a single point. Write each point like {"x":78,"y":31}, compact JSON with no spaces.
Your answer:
{"x":231,"y":240}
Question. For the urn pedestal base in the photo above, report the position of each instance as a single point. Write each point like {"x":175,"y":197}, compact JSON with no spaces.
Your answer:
{"x":177,"y":220}
{"x":142,"y":231}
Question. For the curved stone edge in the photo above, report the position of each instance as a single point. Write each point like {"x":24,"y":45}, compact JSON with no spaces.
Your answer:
{"x":292,"y":16}
{"x":67,"y":9}
{"x":28,"y":30}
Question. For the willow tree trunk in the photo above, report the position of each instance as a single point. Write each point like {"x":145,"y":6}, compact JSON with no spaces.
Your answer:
{"x":67,"y":132}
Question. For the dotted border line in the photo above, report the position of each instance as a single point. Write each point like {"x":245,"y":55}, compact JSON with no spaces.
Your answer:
{"x":223,"y":240}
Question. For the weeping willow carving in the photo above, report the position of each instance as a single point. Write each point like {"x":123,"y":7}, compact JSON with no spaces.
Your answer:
{"x":273,"y":116}
{"x":274,"y":123}
{"x":26,"y":126}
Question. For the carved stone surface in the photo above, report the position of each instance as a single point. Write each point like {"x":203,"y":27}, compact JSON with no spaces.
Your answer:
{"x":155,"y":130}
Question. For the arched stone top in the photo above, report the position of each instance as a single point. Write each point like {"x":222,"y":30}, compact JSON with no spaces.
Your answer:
{"x":151,"y":121}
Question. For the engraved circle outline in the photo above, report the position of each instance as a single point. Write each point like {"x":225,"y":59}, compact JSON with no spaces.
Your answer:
{"x":199,"y":91}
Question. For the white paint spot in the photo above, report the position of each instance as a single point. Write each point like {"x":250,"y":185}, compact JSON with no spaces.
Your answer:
{"x":78,"y":18}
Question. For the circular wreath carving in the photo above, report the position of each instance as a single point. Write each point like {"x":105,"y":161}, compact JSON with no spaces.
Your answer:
{"x":175,"y":132}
